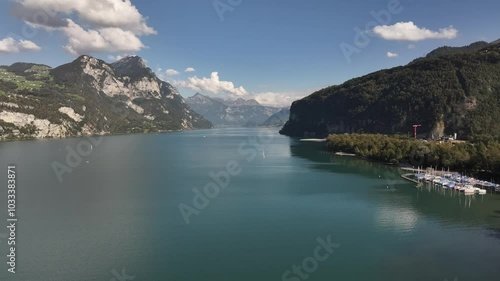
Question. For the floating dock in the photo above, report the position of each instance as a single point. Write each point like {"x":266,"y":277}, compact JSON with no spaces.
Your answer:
{"x":408,"y":177}
{"x":313,"y":140}
{"x":345,"y":154}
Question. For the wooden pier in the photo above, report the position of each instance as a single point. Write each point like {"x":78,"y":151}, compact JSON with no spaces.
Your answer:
{"x":429,"y":171}
{"x":408,"y":178}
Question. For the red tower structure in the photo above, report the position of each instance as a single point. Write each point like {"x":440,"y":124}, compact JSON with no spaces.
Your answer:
{"x":415,"y":129}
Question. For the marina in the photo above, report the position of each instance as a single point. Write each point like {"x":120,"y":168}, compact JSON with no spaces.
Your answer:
{"x":450,"y":180}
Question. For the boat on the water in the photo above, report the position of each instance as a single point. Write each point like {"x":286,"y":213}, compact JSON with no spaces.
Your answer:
{"x":457,"y":182}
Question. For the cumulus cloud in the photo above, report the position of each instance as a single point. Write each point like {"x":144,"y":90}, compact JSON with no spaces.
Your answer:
{"x":171,"y":72}
{"x":111,"y":39}
{"x":408,"y":31}
{"x":32,"y":13}
{"x":10,"y":45}
{"x":392,"y":55}
{"x":110,"y":25}
{"x":279,"y":99}
{"x":190,"y":70}
{"x":212,"y":85}
{"x":99,"y":13}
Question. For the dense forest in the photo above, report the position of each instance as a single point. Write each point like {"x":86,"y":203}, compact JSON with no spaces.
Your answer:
{"x":452,"y":91}
{"x":480,"y":154}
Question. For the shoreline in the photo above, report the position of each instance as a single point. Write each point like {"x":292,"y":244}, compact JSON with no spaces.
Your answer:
{"x":408,"y":168}
{"x":97,"y":135}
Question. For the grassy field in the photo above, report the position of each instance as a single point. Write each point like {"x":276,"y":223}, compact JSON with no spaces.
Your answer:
{"x":21,"y":81}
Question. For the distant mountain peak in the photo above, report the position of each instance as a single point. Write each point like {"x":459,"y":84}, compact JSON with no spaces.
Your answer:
{"x":85,"y":59}
{"x":132,"y":66}
{"x":199,"y":95}
{"x":234,"y":112}
{"x":84,"y":64}
{"x":132,"y":61}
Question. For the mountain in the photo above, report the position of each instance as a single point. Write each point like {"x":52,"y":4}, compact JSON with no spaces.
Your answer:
{"x":454,"y":93}
{"x":238,"y":102}
{"x":220,"y":112}
{"x":446,"y":50}
{"x":278,"y":119}
{"x":88,"y":97}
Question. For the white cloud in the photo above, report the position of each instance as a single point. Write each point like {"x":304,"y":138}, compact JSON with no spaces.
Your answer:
{"x":25,"y":45}
{"x":189,"y":70}
{"x":171,"y":72}
{"x":279,"y":99}
{"x":392,"y":55}
{"x":412,"y":46}
{"x":212,"y":85}
{"x":109,"y":25}
{"x":408,"y":31}
{"x":10,"y":45}
{"x":111,"y":39}
{"x":100,"y":13}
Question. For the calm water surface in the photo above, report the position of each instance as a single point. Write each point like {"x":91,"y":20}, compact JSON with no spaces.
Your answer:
{"x":118,"y":211}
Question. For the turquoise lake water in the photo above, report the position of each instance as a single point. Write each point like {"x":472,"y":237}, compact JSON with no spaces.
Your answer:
{"x":118,"y":212}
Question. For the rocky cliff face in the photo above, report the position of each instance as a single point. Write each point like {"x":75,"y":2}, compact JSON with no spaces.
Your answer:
{"x":89,"y":96}
{"x":446,"y":94}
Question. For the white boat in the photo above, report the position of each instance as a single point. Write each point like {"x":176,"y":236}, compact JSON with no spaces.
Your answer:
{"x":482,"y":191}
{"x":469,"y":189}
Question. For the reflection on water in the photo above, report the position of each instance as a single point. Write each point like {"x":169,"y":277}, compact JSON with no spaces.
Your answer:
{"x":421,"y":230}
{"x":121,"y":210}
{"x":397,"y":219}
{"x":437,"y":204}
{"x":465,"y":200}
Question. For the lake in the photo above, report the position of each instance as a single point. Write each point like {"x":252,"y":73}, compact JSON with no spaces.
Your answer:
{"x":234,"y":204}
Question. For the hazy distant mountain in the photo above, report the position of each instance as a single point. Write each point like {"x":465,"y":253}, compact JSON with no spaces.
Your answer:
{"x":240,"y":112}
{"x":454,"y":93}
{"x":237,"y":102}
{"x":278,"y":119}
{"x":89,"y":96}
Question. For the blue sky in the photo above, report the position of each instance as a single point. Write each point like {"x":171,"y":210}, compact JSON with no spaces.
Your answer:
{"x":276,"y":51}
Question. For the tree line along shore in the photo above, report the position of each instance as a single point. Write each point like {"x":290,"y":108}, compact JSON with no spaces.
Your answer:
{"x":480,"y":155}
